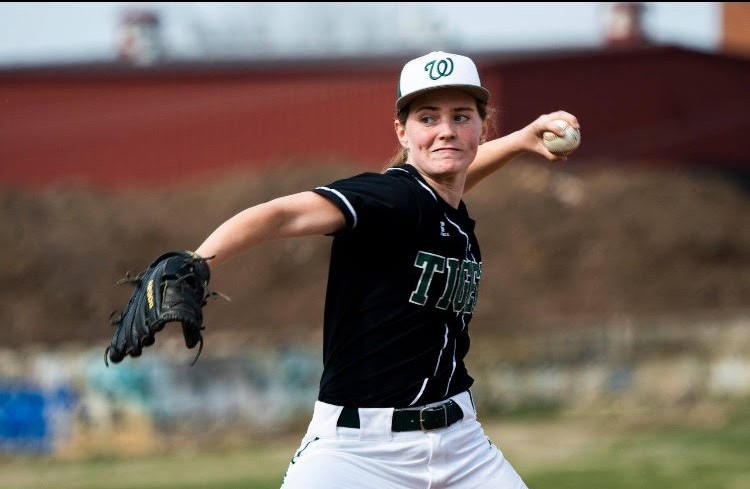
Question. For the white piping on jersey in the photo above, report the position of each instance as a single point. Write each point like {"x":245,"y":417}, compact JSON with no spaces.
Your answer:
{"x":346,"y":201}
{"x":440,"y":355}
{"x":421,"y":391}
{"x":469,"y":254}
{"x":453,"y":370}
{"x":437,"y":365}
{"x":425,"y":186}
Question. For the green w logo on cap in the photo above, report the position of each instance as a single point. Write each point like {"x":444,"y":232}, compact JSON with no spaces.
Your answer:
{"x":436,"y":69}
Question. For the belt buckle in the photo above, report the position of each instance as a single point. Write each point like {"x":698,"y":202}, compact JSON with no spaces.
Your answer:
{"x":442,"y":407}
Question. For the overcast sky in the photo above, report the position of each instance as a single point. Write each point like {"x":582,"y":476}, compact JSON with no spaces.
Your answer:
{"x":34,"y":32}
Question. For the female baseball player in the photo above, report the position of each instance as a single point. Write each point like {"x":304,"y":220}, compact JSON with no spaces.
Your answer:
{"x":394,"y":408}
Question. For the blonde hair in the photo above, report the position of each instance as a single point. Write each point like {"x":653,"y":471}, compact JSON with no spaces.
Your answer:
{"x":402,"y":154}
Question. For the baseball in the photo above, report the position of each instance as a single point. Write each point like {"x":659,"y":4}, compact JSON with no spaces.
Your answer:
{"x":565,"y":145}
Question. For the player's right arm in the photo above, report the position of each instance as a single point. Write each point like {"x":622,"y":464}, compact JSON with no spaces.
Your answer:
{"x":301,"y":214}
{"x":494,"y":154}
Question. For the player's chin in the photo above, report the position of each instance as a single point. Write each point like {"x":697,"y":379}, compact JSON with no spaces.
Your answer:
{"x":449,"y":163}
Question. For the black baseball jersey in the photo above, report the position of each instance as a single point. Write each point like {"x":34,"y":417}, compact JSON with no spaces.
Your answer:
{"x":402,"y":287}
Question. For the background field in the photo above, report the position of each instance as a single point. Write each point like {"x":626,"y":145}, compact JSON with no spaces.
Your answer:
{"x":561,"y":245}
{"x":703,"y":447}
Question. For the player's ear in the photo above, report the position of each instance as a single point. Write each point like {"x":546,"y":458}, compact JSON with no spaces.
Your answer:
{"x":401,"y":133}
{"x":485,"y":131}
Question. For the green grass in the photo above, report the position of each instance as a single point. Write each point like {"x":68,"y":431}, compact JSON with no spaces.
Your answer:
{"x":258,"y":467}
{"x":658,"y":457}
{"x":549,"y":452}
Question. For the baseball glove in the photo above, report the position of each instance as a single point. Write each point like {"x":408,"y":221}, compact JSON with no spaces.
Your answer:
{"x":171,"y":289}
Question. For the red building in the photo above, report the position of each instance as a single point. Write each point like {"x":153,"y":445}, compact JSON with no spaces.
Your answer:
{"x":117,"y":124}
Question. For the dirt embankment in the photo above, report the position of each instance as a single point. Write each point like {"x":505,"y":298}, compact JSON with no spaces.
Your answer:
{"x":559,"y":243}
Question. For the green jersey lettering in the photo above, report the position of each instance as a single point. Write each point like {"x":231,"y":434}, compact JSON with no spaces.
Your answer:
{"x":429,"y":263}
{"x":450,"y":284}
{"x":461,"y":283}
{"x":460,"y":294}
{"x":470,"y":299}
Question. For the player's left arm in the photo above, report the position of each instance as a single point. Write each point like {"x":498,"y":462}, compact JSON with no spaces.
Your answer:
{"x":496,"y":153}
{"x":301,"y":214}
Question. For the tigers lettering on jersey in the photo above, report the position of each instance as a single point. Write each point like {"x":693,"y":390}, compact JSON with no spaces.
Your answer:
{"x":461,"y":282}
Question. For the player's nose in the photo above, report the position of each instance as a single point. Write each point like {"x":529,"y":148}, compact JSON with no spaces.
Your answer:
{"x":446,"y":130}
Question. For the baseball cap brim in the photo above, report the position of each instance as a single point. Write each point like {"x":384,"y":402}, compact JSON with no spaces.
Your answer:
{"x":480,"y":93}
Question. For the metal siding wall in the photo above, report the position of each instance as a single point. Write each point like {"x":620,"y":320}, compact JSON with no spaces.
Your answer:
{"x":113,"y":130}
{"x":667,"y":106}
{"x":148,"y":130}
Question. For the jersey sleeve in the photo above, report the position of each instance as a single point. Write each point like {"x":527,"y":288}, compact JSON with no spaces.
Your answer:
{"x":371,"y":201}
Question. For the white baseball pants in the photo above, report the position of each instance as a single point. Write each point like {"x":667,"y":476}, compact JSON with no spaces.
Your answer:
{"x":374,"y":457}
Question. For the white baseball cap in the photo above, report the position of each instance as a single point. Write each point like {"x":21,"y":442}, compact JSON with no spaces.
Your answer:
{"x":438,"y":70}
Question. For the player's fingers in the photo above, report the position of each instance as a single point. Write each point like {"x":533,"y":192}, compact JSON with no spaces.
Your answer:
{"x":546,"y":123}
{"x":553,"y":157}
{"x":566,"y":116}
{"x":548,"y":155}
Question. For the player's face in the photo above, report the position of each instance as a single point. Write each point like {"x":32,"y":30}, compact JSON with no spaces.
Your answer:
{"x":442,"y":132}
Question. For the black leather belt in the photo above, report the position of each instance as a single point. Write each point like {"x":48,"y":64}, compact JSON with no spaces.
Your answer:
{"x":425,"y":419}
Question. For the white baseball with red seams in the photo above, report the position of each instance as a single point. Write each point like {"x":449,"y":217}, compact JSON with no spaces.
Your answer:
{"x":565,"y":145}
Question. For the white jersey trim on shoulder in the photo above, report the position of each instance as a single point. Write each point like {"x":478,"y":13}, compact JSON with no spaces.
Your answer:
{"x":345,"y":201}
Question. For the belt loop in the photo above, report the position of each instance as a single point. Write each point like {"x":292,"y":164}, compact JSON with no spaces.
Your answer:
{"x":375,"y":423}
{"x":324,"y":419}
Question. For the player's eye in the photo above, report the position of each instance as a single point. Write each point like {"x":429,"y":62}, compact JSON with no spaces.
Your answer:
{"x":461,"y":118}
{"x":427,"y":119}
